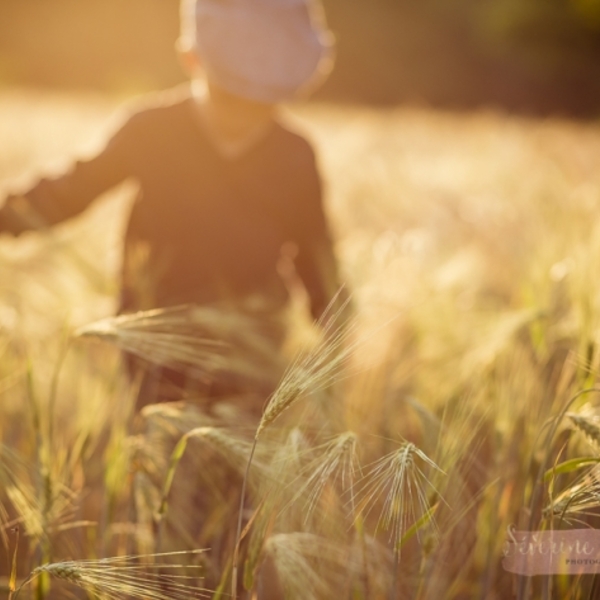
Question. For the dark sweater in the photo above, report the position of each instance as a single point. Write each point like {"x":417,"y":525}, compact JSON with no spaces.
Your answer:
{"x":204,"y":228}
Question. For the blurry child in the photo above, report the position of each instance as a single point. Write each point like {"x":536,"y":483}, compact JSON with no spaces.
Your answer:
{"x":223,"y":185}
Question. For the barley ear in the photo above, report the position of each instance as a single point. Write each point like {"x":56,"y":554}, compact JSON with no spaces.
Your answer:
{"x":587,"y":425}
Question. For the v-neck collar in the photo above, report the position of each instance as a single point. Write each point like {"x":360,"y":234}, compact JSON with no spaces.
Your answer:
{"x":229,"y":153}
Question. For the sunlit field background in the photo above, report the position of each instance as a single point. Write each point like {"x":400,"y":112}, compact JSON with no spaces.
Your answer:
{"x":471,"y":246}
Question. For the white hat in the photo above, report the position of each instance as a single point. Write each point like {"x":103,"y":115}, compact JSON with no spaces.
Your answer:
{"x":264,"y":50}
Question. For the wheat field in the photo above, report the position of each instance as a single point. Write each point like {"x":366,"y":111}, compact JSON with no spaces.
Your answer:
{"x":395,"y":454}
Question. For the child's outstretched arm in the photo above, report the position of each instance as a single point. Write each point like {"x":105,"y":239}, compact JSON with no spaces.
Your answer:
{"x":52,"y":200}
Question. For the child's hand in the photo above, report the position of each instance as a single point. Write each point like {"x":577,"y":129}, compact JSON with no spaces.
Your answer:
{"x":14,"y":217}
{"x":3,"y":223}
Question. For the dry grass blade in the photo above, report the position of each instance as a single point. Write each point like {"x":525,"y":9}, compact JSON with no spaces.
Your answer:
{"x":144,"y":576}
{"x":174,"y":418}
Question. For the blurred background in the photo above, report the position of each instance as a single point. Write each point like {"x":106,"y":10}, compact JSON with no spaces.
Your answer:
{"x":531,"y":56}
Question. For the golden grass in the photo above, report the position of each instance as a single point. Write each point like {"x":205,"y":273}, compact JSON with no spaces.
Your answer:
{"x":474,"y":238}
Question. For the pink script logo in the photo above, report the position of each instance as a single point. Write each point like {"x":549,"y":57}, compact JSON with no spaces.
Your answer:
{"x":550,"y":552}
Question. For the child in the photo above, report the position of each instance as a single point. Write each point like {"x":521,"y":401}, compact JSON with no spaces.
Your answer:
{"x":223,"y":185}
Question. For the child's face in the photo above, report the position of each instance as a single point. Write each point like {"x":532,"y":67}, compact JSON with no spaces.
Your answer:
{"x":236,"y":107}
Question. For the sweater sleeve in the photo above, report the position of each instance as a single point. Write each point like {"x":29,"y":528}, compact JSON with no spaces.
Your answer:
{"x":52,"y":200}
{"x":315,"y":262}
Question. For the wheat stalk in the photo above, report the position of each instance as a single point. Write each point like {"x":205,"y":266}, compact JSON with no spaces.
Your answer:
{"x":198,"y":340}
{"x":311,"y":371}
{"x":402,"y":484}
{"x":128,"y":576}
{"x":166,"y":337}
